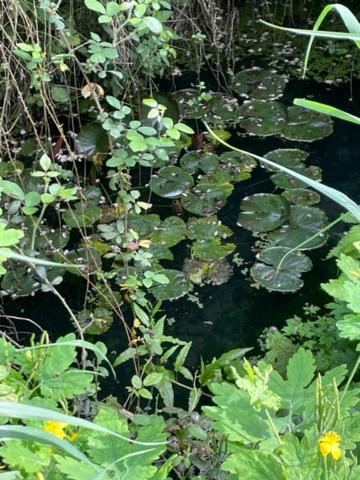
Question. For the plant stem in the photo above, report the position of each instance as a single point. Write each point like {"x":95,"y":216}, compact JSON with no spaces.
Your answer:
{"x":351,"y":376}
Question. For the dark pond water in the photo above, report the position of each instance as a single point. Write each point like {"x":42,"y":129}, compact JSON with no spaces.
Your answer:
{"x":234,"y":314}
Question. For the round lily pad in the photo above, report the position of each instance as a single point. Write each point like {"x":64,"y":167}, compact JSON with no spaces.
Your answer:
{"x":177,"y":287}
{"x":302,"y":196}
{"x":287,"y":157}
{"x":171,"y":182}
{"x":92,"y":140}
{"x":144,"y":225}
{"x":207,"y":227}
{"x":259,"y":84}
{"x":171,"y":231}
{"x":199,"y":272}
{"x":200,"y":204}
{"x":263,"y":212}
{"x":261,"y":117}
{"x":212,"y":249}
{"x":194,"y":161}
{"x":238,"y":165}
{"x":277,"y":272}
{"x":285,"y":181}
{"x":305,"y":125}
{"x":302,"y":224}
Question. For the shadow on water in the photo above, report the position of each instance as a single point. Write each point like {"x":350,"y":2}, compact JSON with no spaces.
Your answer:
{"x":234,"y":314}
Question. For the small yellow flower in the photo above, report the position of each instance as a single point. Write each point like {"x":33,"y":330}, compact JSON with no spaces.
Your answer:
{"x":63,"y":67}
{"x":329,"y":444}
{"x":56,"y":428}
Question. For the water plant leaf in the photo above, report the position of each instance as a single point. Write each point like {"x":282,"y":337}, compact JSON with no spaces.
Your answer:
{"x":259,"y":84}
{"x":194,"y":161}
{"x":306,"y":125}
{"x":277,"y":272}
{"x":199,"y":204}
{"x":171,"y":182}
{"x":238,"y":166}
{"x":92,"y":140}
{"x":285,"y":181}
{"x":212,"y":249}
{"x":207,"y":227}
{"x":177,"y":287}
{"x":302,"y":224}
{"x":263,"y":212}
{"x":171,"y":231}
{"x":288,"y":157}
{"x":302,"y":196}
{"x":262,"y":117}
{"x":199,"y":272}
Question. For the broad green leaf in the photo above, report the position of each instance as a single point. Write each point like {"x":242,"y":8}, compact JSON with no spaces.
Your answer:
{"x":12,"y":189}
{"x":95,"y":6}
{"x":153,"y":24}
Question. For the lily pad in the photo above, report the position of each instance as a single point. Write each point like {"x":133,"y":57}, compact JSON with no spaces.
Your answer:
{"x":306,"y":125}
{"x":302,"y":224}
{"x":212,"y":249}
{"x":144,"y":225}
{"x":259,"y":84}
{"x":200,"y":204}
{"x":285,"y":181}
{"x":194,"y":161}
{"x":207,"y":227}
{"x":177,"y":287}
{"x":213,"y":273}
{"x":302,"y":196}
{"x":278,"y":273}
{"x":238,"y":165}
{"x":287,"y":157}
{"x":171,"y":182}
{"x":261,"y":117}
{"x":263,"y":212}
{"x":83,"y":215}
{"x":171,"y":231}
{"x":92,"y":140}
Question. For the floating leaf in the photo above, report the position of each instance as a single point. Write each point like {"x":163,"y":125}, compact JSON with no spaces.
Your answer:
{"x":261,"y":117}
{"x":170,"y":232}
{"x":263,"y":212}
{"x":212,"y":249}
{"x":194,"y":161}
{"x":208,"y":227}
{"x":177,"y":287}
{"x":92,"y":140}
{"x":302,"y":196}
{"x":199,"y":204}
{"x":283,"y":278}
{"x":259,"y":84}
{"x":302,"y":224}
{"x":288,"y":157}
{"x":216,"y":272}
{"x":239,"y":166}
{"x":306,"y":125}
{"x":171,"y":182}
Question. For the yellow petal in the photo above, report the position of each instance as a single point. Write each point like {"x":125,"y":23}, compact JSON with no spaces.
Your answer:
{"x":325,"y":448}
{"x":336,"y":453}
{"x":63,"y":67}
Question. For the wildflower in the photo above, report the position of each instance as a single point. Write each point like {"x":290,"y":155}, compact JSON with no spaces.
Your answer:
{"x":56,"y":428}
{"x":63,"y":67}
{"x":329,"y":444}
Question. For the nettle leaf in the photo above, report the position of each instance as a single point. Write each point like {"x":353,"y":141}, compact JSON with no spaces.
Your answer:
{"x":235,"y":417}
{"x":255,"y":465}
{"x":300,"y":373}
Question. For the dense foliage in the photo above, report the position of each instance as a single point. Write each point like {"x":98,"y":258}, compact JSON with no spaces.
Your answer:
{"x":105,"y":177}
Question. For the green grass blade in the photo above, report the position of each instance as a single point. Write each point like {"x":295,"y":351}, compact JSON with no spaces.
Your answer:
{"x":350,"y":21}
{"x":8,"y":253}
{"x":20,"y":432}
{"x":30,"y":412}
{"x":328,"y":109}
{"x":335,"y":195}
{"x":320,"y":33}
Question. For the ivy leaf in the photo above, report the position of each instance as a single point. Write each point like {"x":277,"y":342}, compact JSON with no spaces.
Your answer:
{"x":292,"y":391}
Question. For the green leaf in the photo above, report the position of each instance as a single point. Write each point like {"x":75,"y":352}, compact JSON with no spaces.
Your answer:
{"x":95,"y":6}
{"x":182,"y":127}
{"x":153,"y":24}
{"x":9,"y":236}
{"x":140,"y":10}
{"x":152,"y":379}
{"x":112,"y":8}
{"x":114,"y":102}
{"x":12,"y":189}
{"x":292,"y":391}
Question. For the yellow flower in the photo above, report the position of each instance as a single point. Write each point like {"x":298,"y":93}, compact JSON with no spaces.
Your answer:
{"x":56,"y":428}
{"x":329,"y":444}
{"x":63,"y":67}
{"x":40,"y":476}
